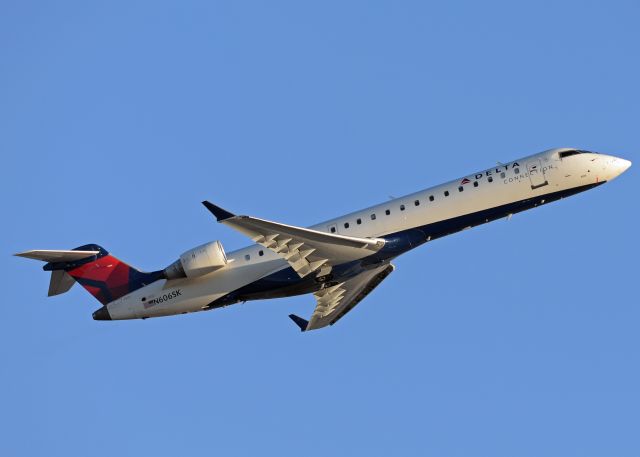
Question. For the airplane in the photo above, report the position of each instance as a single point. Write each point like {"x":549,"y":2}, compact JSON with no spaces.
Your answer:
{"x":339,"y":261}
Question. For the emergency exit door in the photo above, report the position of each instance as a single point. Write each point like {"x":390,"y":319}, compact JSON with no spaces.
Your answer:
{"x":536,"y":174}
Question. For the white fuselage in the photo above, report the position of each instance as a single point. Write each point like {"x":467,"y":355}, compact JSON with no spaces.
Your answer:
{"x":532,"y":177}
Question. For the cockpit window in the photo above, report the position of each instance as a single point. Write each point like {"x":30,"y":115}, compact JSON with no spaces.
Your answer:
{"x":573,"y":152}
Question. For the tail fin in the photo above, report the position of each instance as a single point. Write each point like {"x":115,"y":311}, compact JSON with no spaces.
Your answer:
{"x":104,"y":276}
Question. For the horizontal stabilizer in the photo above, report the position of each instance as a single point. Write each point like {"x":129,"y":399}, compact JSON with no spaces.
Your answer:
{"x":47,"y":255}
{"x":101,"y":274}
{"x":300,"y":322}
{"x":60,"y":282}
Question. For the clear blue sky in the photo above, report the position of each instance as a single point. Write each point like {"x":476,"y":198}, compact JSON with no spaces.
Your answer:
{"x":517,"y":338}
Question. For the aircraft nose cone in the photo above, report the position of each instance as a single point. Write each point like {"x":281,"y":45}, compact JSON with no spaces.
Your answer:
{"x":617,"y":166}
{"x":102,"y":314}
{"x":624,"y":165}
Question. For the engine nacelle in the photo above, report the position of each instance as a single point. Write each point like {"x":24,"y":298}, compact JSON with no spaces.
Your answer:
{"x":198,"y":261}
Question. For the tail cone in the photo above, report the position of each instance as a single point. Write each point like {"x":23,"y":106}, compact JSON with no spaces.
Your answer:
{"x":102,"y":314}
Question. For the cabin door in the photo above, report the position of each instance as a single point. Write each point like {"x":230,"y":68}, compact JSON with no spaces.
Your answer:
{"x":536,"y":174}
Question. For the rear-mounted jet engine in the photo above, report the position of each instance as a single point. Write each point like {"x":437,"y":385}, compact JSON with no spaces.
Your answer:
{"x":198,"y":261}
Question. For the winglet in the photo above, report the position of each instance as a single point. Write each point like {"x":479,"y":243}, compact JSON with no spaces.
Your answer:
{"x":219,"y":213}
{"x":300,"y":322}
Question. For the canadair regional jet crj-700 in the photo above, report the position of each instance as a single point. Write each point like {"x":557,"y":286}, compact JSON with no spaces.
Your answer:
{"x":339,"y":261}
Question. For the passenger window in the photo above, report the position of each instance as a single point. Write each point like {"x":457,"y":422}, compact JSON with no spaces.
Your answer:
{"x":387,"y":212}
{"x":333,"y":230}
{"x":475,"y":183}
{"x":401,"y":207}
{"x":373,"y":217}
{"x":346,"y":225}
{"x":490,"y":179}
{"x":460,"y":189}
{"x":260,"y":253}
{"x":247,"y":257}
{"x":502,"y":175}
{"x":417,"y":202}
{"x":446,"y":193}
{"x":516,"y":170}
{"x":358,"y":221}
{"x":431,"y":198}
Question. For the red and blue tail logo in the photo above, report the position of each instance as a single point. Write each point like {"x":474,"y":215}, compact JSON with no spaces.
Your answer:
{"x":106,"y":277}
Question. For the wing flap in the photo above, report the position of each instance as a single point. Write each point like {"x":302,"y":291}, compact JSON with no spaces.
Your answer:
{"x":361,"y":294}
{"x":334,"y":302}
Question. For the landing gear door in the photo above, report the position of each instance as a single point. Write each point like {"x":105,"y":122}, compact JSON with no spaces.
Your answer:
{"x":536,"y":174}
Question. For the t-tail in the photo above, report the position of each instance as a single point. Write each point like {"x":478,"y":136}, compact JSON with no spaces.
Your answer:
{"x":100,"y":273}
